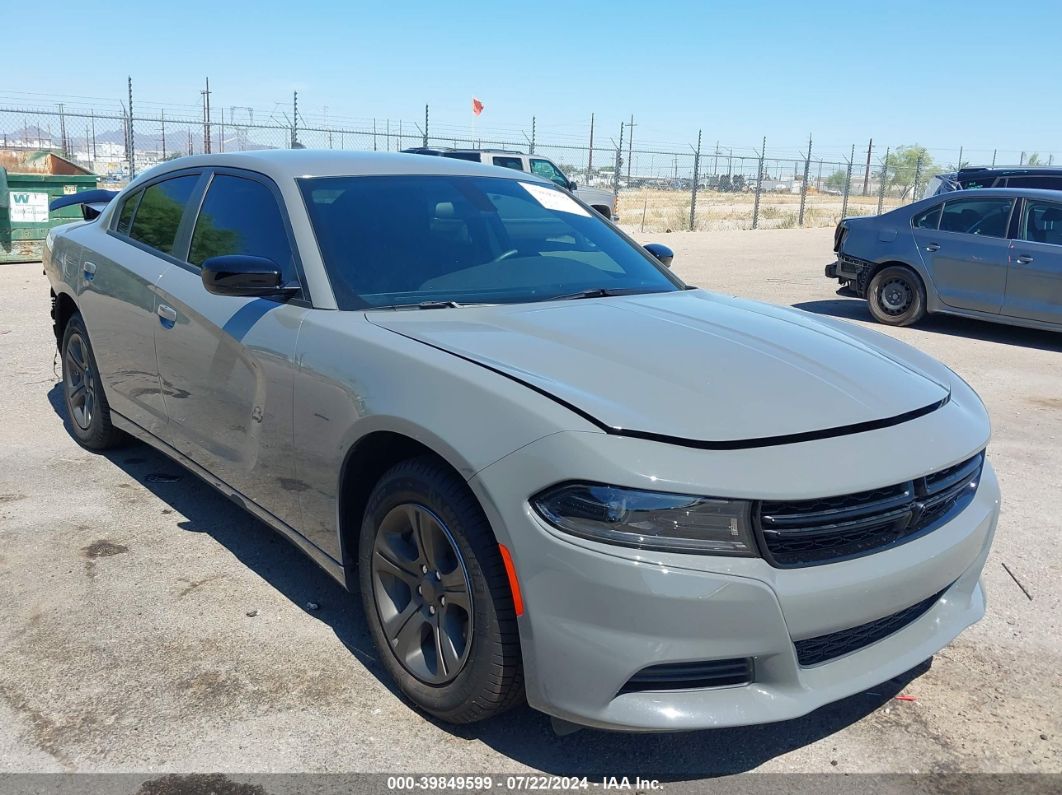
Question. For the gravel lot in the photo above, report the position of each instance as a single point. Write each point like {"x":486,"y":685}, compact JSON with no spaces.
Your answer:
{"x":149,"y":625}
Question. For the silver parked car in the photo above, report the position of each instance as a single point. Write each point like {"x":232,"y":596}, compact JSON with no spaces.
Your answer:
{"x":992,"y":254}
{"x":550,"y":468}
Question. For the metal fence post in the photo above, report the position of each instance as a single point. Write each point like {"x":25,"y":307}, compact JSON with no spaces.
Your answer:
{"x":696,"y":179}
{"x":425,"y":126}
{"x":917,"y":179}
{"x":884,"y":180}
{"x":616,"y":169}
{"x":132,"y":139}
{"x":804,"y":185}
{"x":590,"y":152}
{"x":759,"y":186}
{"x":847,"y":184}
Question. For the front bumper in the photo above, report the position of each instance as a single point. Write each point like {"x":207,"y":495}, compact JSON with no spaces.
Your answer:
{"x":596,"y":614}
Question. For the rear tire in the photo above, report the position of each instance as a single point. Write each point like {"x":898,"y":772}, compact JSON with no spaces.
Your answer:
{"x":436,"y":595}
{"x":86,"y":403}
{"x":896,"y":296}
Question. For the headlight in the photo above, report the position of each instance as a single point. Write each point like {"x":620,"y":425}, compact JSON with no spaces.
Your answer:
{"x":649,"y":519}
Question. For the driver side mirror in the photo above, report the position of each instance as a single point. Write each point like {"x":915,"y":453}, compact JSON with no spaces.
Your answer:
{"x":661,"y":252}
{"x":244,"y":275}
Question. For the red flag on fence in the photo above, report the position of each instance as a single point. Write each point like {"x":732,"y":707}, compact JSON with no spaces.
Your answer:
{"x":477,"y":106}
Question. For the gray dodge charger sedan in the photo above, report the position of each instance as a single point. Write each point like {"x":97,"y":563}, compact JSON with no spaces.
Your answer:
{"x":550,"y":469}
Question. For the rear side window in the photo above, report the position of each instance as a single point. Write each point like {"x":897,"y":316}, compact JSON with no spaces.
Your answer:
{"x":1042,"y":222}
{"x":472,"y":157}
{"x":986,"y":217}
{"x":1046,"y":183}
{"x":509,"y":162}
{"x":125,"y":217}
{"x":927,"y":219}
{"x":159,"y":213}
{"x":241,"y":216}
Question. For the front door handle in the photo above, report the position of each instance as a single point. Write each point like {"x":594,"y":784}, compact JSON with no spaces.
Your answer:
{"x":167,"y":315}
{"x":933,"y":247}
{"x":1024,"y":259}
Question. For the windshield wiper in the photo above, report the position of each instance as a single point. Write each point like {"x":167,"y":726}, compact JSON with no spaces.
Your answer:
{"x":596,"y":292}
{"x":422,"y":305}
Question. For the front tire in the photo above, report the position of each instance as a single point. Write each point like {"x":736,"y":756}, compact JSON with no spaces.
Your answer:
{"x":896,"y":296}
{"x":436,"y":595}
{"x":83,"y":395}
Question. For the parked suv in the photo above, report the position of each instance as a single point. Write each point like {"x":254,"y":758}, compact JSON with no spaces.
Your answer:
{"x":601,"y":200}
{"x":994,"y":177}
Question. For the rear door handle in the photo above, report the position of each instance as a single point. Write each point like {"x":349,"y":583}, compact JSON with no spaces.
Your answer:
{"x":1024,"y":259}
{"x":933,"y":247}
{"x":167,"y":315}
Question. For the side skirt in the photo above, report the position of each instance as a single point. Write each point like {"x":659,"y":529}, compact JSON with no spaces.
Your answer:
{"x":315,"y":553}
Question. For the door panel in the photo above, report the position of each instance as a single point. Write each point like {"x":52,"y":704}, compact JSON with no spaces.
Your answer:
{"x":967,"y":257}
{"x":117,"y":297}
{"x":226,"y":365}
{"x":1034,"y":283}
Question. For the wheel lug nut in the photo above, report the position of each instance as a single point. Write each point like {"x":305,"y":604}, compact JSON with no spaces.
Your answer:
{"x":431,"y":609}
{"x":442,"y":600}
{"x":438,"y":576}
{"x":423,"y":569}
{"x":420,"y":590}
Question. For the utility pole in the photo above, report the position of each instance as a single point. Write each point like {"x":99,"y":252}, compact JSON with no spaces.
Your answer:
{"x":590,"y":156}
{"x":866,"y":173}
{"x":132,"y":140}
{"x":206,"y":118}
{"x":630,"y":148}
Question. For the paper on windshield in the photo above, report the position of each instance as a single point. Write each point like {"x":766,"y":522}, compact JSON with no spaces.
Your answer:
{"x":554,"y":199}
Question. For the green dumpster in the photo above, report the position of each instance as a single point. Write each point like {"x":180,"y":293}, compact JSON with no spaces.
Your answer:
{"x":24,"y":216}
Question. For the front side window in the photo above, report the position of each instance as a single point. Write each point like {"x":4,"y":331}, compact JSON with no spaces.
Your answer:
{"x":986,"y":217}
{"x":509,"y":162}
{"x":159,"y":213}
{"x":241,"y":216}
{"x":544,"y":168}
{"x":404,"y":240}
{"x":1042,"y":222}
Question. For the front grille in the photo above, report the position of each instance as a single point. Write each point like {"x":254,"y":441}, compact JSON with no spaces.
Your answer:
{"x":827,"y":647}
{"x":829,"y":529}
{"x":691,"y":675}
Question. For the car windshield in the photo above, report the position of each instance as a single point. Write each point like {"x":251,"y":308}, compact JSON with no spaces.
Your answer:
{"x":393,"y":241}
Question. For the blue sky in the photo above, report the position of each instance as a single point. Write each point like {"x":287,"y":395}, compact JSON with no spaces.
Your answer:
{"x":977,"y":74}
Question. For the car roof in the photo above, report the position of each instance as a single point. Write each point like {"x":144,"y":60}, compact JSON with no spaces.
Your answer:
{"x":284,"y":164}
{"x":1008,"y":171}
{"x":1009,"y":193}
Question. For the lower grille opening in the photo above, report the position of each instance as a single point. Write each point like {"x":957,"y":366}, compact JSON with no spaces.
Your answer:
{"x":691,"y":675}
{"x":824,"y":648}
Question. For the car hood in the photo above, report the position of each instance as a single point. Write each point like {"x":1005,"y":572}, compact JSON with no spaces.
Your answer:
{"x":688,"y":365}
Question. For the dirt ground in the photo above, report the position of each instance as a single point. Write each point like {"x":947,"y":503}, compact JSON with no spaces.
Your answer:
{"x":147,"y":624}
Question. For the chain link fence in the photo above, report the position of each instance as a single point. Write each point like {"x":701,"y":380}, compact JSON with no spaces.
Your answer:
{"x":657,"y":188}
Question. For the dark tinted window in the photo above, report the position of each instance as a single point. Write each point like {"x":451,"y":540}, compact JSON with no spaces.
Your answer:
{"x":986,"y":217}
{"x":241,"y":216}
{"x":1045,"y":182}
{"x":927,"y":219}
{"x":1042,"y":222}
{"x":509,"y":162}
{"x":160,"y":210}
{"x":472,"y":157}
{"x":408,"y":239}
{"x":125,"y":217}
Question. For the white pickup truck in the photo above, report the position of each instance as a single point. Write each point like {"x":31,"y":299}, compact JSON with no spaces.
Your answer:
{"x":601,"y":200}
